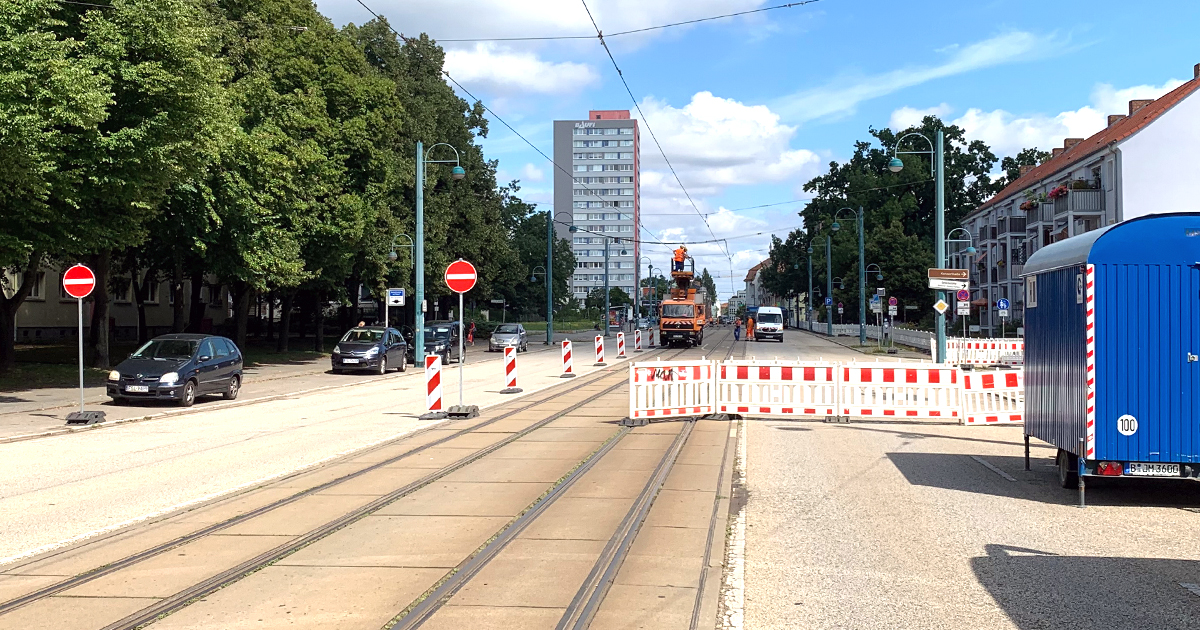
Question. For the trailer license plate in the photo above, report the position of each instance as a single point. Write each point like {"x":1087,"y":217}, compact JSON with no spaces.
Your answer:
{"x":137,"y":389}
{"x":1153,"y":470}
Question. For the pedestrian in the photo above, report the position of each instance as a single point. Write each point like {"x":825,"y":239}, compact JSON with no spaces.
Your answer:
{"x":362,"y":324}
{"x":749,"y":329}
{"x":737,"y":329}
{"x":471,"y":334}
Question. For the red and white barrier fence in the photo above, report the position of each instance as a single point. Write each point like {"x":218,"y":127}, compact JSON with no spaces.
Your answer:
{"x":994,"y":397}
{"x":960,"y":351}
{"x":637,"y":340}
{"x":600,"y":351}
{"x":510,"y":371}
{"x":568,"y":369}
{"x":902,"y":390}
{"x":668,"y":389}
{"x":777,"y":388}
{"x":621,"y":345}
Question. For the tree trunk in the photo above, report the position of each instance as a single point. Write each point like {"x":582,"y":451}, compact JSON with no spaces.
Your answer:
{"x":270,"y":316}
{"x":285,"y":322}
{"x":319,"y":326}
{"x":141,"y":292}
{"x":8,"y":312}
{"x":241,"y":312}
{"x":305,"y":312}
{"x":178,"y":315}
{"x":98,"y":335}
{"x":196,"y":306}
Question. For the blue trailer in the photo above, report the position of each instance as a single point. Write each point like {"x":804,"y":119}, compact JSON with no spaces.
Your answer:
{"x":1112,"y":334}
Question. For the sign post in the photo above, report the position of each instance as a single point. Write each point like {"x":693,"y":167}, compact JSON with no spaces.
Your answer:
{"x":395,"y":297}
{"x":1002,"y":306}
{"x":78,"y":282}
{"x":461,"y":277}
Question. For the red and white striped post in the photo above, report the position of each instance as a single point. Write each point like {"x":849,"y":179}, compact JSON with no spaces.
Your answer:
{"x":637,"y":340}
{"x":568,"y":370}
{"x":433,"y":387}
{"x":621,"y":345}
{"x":510,"y":371}
{"x":599,"y":352}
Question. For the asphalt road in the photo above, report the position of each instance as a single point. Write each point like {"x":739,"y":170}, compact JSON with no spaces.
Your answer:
{"x":908,"y":525}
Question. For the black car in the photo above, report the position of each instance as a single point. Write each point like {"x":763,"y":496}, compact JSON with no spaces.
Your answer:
{"x":178,"y":367}
{"x":443,"y":338}
{"x":372,"y":348}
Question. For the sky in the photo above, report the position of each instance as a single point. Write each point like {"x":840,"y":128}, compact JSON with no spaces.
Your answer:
{"x":749,"y":108}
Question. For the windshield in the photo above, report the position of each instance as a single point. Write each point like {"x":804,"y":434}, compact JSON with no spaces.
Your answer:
{"x":507,"y":329}
{"x":363,"y":335}
{"x":166,"y":349}
{"x":441,"y":332}
{"x":677,"y":310}
{"x":770,"y":318}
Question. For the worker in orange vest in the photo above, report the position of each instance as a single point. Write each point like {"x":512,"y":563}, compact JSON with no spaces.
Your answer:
{"x":680,"y":255}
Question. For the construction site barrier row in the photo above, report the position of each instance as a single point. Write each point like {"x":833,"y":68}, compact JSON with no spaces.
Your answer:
{"x":820,"y":389}
{"x":966,"y":351}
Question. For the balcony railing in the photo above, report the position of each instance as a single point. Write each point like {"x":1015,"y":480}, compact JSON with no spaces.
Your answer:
{"x":1047,"y":210}
{"x":1087,"y":200}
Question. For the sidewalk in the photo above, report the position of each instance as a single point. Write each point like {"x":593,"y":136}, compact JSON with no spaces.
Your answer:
{"x":902,"y":352}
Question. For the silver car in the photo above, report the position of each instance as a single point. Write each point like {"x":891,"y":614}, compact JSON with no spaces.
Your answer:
{"x":507,"y":335}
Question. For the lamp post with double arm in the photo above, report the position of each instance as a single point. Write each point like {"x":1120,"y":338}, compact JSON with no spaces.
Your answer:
{"x":937,"y":170}
{"x":456,"y":172}
{"x":862,"y":274}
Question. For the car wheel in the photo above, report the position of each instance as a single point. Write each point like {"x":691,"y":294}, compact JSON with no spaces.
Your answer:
{"x":231,"y":390}
{"x":383,"y":365}
{"x":1068,"y":473}
{"x":403,"y":364}
{"x":188,"y":396}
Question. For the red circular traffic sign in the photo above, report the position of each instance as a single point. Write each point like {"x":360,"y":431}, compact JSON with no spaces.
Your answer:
{"x":78,"y":281}
{"x":893,"y":301}
{"x":963,"y":295}
{"x":460,"y":276}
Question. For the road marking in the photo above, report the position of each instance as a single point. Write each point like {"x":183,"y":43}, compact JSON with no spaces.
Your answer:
{"x":994,"y":469}
{"x":1194,"y":588}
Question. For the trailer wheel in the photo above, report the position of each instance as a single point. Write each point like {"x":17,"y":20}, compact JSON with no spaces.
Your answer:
{"x":1068,"y":469}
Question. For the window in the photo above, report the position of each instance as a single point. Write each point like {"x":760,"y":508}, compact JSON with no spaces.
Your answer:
{"x":626,"y":204}
{"x":1031,"y":291}
{"x":580,"y":168}
{"x":579,"y":205}
{"x":625,"y":156}
{"x":124,"y":291}
{"x":624,"y":167}
{"x":579,"y":143}
{"x":612,"y":131}
{"x":626,"y":131}
{"x":38,"y":290}
{"x":220,"y":350}
{"x":626,"y":228}
{"x":152,"y":293}
{"x":627,"y":143}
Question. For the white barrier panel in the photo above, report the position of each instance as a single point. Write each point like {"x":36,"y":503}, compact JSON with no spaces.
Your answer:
{"x":994,"y":397}
{"x":620,"y":345}
{"x":568,"y":362}
{"x":667,"y":389}
{"x":900,"y":390}
{"x":777,"y":388}
{"x":960,"y":351}
{"x":599,"y":352}
{"x":510,"y":371}
{"x":433,"y":382}
{"x":637,"y":340}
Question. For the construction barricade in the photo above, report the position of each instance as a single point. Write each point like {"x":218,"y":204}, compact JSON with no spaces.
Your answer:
{"x":777,"y":388}
{"x":973,"y":352}
{"x":567,"y":360}
{"x":914,"y":391}
{"x":994,"y":397}
{"x":510,"y":371}
{"x":599,"y":352}
{"x":668,"y":389}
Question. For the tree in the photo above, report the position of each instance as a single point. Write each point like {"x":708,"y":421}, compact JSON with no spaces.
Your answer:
{"x":710,"y":288}
{"x":616,"y":297}
{"x":1012,"y":164}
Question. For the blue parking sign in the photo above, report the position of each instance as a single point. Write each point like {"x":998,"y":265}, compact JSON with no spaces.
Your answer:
{"x":828,"y":301}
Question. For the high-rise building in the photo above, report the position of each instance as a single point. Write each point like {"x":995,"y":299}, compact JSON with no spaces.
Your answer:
{"x":601,"y":193}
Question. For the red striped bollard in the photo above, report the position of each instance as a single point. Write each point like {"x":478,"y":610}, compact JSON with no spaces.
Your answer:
{"x":599,"y":352}
{"x":621,"y":345}
{"x":510,"y":371}
{"x":637,"y":340}
{"x":433,"y":388}
{"x":568,"y":370}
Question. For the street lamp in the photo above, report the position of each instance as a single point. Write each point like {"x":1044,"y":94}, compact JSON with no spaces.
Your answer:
{"x":457,"y":173}
{"x":937,"y":169}
{"x":862,"y":275}
{"x":550,"y":273}
{"x":969,"y":251}
{"x":638,"y":290}
{"x":624,"y":252}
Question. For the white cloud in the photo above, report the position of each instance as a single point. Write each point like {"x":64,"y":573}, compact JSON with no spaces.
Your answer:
{"x":906,"y":117}
{"x":841,"y":97}
{"x":532,"y":173}
{"x":1007,"y":133}
{"x":504,"y":70}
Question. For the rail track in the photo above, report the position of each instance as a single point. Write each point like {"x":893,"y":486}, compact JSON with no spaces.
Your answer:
{"x":224,"y":578}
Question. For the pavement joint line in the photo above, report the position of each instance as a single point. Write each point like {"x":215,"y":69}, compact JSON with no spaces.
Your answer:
{"x":134,"y":558}
{"x":993,"y":468}
{"x":186,"y":411}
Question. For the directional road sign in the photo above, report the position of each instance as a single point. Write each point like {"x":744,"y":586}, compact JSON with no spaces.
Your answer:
{"x":1002,"y":304}
{"x":395,"y":297}
{"x":963,"y":295}
{"x":941,"y":306}
{"x":950,"y":274}
{"x":947,"y":285}
{"x":892,"y":301}
{"x":460,"y":276}
{"x":78,"y":281}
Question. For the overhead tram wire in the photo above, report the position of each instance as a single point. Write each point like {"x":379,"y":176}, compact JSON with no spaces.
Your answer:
{"x":645,"y":121}
{"x":632,"y":31}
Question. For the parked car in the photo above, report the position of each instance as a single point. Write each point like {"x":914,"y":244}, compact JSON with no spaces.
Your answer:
{"x":442,"y":338}
{"x":178,"y":367}
{"x":507,"y":335}
{"x":370,"y":348}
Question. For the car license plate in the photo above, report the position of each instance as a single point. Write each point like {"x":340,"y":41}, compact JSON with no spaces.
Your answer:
{"x":1153,"y":470}
{"x":137,"y":389}
{"x":349,"y":360}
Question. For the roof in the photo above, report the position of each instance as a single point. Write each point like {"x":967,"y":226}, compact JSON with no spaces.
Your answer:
{"x":1116,"y":132}
{"x":187,"y":336}
{"x":1066,"y":253}
{"x":754,"y":270}
{"x":1173,"y":235}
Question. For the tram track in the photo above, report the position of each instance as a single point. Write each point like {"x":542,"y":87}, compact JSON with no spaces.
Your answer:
{"x":424,"y":607}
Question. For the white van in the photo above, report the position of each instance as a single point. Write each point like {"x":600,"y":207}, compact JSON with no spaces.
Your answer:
{"x":768,"y":324}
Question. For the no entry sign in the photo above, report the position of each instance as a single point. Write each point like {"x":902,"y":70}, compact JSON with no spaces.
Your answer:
{"x":460,"y":276}
{"x":78,"y":281}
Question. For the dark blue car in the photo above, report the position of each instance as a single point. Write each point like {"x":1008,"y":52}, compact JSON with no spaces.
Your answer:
{"x":178,"y":368}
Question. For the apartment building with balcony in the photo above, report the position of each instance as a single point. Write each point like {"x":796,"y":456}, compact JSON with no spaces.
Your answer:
{"x":1142,"y":162}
